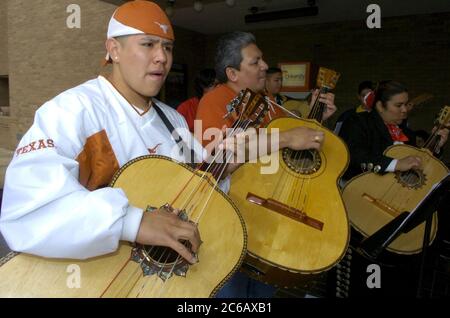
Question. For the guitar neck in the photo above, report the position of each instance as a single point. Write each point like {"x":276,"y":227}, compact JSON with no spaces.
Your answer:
{"x":318,"y":108}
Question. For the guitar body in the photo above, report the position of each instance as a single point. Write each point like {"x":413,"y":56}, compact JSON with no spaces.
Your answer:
{"x":148,"y":180}
{"x":282,"y":243}
{"x":299,"y":106}
{"x":393,"y":195}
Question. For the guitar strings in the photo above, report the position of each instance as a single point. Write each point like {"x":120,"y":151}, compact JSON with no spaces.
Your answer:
{"x":202,"y":180}
{"x":228,"y":157}
{"x":298,"y":159}
{"x":430,"y":144}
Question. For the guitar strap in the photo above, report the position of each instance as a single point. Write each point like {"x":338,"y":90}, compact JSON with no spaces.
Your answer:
{"x":180,"y":142}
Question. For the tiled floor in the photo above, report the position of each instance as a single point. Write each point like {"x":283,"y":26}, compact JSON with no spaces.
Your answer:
{"x":3,"y":247}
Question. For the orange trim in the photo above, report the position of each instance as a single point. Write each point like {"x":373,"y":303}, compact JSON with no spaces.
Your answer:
{"x":150,"y":106}
{"x":145,"y":16}
{"x":136,"y":109}
{"x":97,"y":162}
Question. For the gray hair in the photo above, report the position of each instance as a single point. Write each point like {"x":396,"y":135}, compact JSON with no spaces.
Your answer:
{"x":228,"y":52}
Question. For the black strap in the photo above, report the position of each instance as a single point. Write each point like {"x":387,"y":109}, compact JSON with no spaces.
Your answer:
{"x":180,"y":142}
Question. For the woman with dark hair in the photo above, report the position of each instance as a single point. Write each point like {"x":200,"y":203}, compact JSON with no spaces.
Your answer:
{"x":368,"y":134}
{"x":203,"y":83}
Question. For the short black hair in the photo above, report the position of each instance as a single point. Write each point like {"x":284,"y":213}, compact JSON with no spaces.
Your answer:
{"x":228,"y":52}
{"x":422,"y":134}
{"x":273,"y":70}
{"x":364,"y":85}
{"x":205,"y":78}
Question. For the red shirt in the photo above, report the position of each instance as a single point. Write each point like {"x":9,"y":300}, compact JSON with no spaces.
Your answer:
{"x":212,"y":109}
{"x":188,"y":109}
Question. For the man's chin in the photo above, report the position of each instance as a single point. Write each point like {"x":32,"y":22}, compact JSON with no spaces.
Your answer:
{"x":152,"y":92}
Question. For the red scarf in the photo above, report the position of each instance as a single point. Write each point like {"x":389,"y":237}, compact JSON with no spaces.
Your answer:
{"x":396,"y":133}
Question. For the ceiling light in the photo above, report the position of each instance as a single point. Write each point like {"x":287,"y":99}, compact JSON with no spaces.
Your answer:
{"x":230,"y":3}
{"x":169,"y":7}
{"x":198,"y":6}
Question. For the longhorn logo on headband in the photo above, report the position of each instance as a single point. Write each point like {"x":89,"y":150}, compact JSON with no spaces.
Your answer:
{"x":163,"y":27}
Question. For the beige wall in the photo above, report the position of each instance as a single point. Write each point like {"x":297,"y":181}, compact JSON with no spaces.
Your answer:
{"x":3,"y":38}
{"x":45,"y":56}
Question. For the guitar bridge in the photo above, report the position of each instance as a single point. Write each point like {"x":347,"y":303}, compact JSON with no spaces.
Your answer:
{"x":381,"y":205}
{"x":285,"y":210}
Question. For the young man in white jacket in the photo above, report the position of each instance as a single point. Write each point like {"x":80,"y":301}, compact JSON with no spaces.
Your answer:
{"x":56,"y":201}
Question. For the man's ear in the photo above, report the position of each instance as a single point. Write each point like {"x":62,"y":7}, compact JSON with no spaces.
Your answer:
{"x":113,"y":48}
{"x":232,"y":74}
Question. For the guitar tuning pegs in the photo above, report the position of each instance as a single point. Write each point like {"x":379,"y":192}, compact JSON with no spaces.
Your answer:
{"x":369,"y":166}
{"x":231,"y":107}
{"x":377,"y":168}
{"x":363,"y":167}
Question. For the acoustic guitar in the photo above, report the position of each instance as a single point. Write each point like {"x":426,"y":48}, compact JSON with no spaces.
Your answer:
{"x":373,"y":200}
{"x":295,"y":217}
{"x":151,"y":271}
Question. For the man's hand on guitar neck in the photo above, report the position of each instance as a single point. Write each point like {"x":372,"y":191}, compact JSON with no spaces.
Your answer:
{"x":328,"y":100}
{"x":298,"y":138}
{"x":443,"y":133}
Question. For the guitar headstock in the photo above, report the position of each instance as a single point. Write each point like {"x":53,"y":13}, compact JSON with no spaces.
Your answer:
{"x":327,"y":78}
{"x":422,"y":98}
{"x":443,"y":119}
{"x":249,"y":107}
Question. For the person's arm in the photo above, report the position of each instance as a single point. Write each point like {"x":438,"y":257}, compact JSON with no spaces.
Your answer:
{"x":443,"y":133}
{"x":47,"y":212}
{"x":245,"y":145}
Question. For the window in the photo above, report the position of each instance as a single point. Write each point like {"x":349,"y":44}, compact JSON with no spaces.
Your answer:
{"x":4,"y":95}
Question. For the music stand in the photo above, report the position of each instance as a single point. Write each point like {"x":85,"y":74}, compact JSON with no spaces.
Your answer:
{"x":405,"y":222}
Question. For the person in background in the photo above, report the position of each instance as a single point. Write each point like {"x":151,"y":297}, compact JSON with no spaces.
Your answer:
{"x":203,"y":83}
{"x":365,"y":90}
{"x":368,"y":134}
{"x":239,"y":65}
{"x":421,"y":137}
{"x":274,"y":82}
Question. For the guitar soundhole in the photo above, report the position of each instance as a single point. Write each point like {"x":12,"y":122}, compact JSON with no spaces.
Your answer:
{"x":413,"y":179}
{"x":162,"y":256}
{"x":302,"y":161}
{"x":160,"y":260}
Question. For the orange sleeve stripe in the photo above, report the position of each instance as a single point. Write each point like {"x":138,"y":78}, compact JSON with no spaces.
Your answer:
{"x":97,"y":162}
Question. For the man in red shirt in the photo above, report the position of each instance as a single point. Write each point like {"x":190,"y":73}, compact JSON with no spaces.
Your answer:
{"x":240,"y":65}
{"x":204,"y":82}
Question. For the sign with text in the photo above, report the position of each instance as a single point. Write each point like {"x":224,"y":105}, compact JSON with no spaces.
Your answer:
{"x":295,"y":76}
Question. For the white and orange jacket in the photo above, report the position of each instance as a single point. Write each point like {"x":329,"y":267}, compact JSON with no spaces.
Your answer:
{"x":56,"y":202}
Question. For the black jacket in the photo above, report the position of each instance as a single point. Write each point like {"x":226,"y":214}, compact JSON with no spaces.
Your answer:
{"x":367,"y":137}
